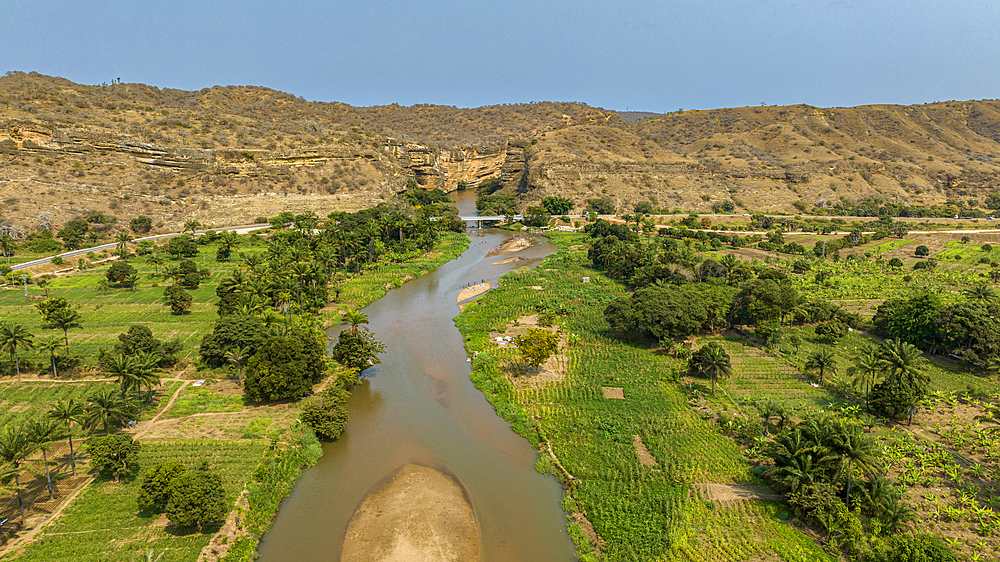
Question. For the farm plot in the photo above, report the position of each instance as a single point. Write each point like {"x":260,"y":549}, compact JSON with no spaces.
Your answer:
{"x":19,"y":402}
{"x":107,"y":514}
{"x":640,"y":512}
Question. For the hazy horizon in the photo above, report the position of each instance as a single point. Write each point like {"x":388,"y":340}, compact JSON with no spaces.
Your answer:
{"x":631,"y":56}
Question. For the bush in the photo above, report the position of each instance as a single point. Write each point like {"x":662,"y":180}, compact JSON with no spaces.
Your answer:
{"x":907,"y":547}
{"x":895,"y":263}
{"x":141,"y":224}
{"x":326,"y":413}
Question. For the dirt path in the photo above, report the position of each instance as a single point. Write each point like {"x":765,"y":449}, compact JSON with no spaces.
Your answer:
{"x":734,"y":492}
{"x":149,"y":425}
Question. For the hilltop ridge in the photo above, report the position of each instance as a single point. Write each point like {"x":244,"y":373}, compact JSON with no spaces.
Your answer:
{"x":233,"y":153}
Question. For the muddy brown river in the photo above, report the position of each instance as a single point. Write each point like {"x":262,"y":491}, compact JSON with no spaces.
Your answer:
{"x":418,"y":406}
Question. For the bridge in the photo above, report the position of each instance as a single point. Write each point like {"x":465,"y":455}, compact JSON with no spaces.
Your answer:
{"x":478,"y":219}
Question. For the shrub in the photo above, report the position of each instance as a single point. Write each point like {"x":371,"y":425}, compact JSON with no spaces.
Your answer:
{"x":325,"y":413}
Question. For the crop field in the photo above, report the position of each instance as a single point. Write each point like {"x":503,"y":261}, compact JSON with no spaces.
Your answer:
{"x":107,"y":313}
{"x":106,"y":514}
{"x":19,"y":402}
{"x":640,"y":512}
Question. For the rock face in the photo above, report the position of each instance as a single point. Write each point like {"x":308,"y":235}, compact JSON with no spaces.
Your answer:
{"x":420,"y":515}
{"x":445,"y":168}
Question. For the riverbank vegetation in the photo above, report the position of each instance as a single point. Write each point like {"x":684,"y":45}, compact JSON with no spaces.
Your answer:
{"x":722,"y":403}
{"x":206,"y":393}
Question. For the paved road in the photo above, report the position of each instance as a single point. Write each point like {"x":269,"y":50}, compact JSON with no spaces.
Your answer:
{"x":242,"y":229}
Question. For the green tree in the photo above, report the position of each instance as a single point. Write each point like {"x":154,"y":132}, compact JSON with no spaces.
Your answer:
{"x":325,"y":413}
{"x":197,"y":498}
{"x":922,"y":251}
{"x":106,"y":407}
{"x":42,"y":432}
{"x":68,"y":413}
{"x":178,"y":299}
{"x":285,"y":366}
{"x":119,"y":271}
{"x":16,"y":447}
{"x":64,"y":319}
{"x":117,"y":454}
{"x":358,"y":349}
{"x":536,"y":346}
{"x":234,"y":330}
{"x":557,"y":205}
{"x":710,"y":361}
{"x":193,"y":225}
{"x":154,"y":492}
{"x":823,"y":361}
{"x":52,"y":345}
{"x":12,"y":338}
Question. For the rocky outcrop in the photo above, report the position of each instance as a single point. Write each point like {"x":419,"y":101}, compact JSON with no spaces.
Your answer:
{"x":446,"y":168}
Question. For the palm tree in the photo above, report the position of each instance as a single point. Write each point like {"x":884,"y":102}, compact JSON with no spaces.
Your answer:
{"x":15,"y":447}
{"x":284,"y":301}
{"x":981,"y":293}
{"x":132,"y":279}
{"x":68,"y":413}
{"x":155,"y":260}
{"x":42,"y":432}
{"x":52,"y":345}
{"x":237,"y":355}
{"x":64,"y":319}
{"x":7,"y":245}
{"x":122,"y":240}
{"x":903,"y":361}
{"x":854,"y":451}
{"x":7,"y":473}
{"x":227,"y":241}
{"x":710,"y":361}
{"x":355,"y":318}
{"x":104,"y":408}
{"x":865,"y":371}
{"x":192,"y":225}
{"x":12,"y":338}
{"x":824,"y":360}
{"x":122,"y":368}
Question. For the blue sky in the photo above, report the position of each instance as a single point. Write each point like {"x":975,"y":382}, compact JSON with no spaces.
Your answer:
{"x":648,"y":55}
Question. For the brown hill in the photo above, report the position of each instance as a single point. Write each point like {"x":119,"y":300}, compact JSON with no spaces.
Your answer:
{"x":784,"y":159}
{"x":230,"y":154}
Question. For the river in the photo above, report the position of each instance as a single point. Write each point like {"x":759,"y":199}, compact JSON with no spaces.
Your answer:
{"x":418,"y":406}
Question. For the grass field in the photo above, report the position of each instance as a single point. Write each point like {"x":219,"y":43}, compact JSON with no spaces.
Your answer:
{"x":107,"y":514}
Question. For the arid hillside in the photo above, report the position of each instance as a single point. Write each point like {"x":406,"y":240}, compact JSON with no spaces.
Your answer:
{"x":780,"y":159}
{"x":231,"y":154}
